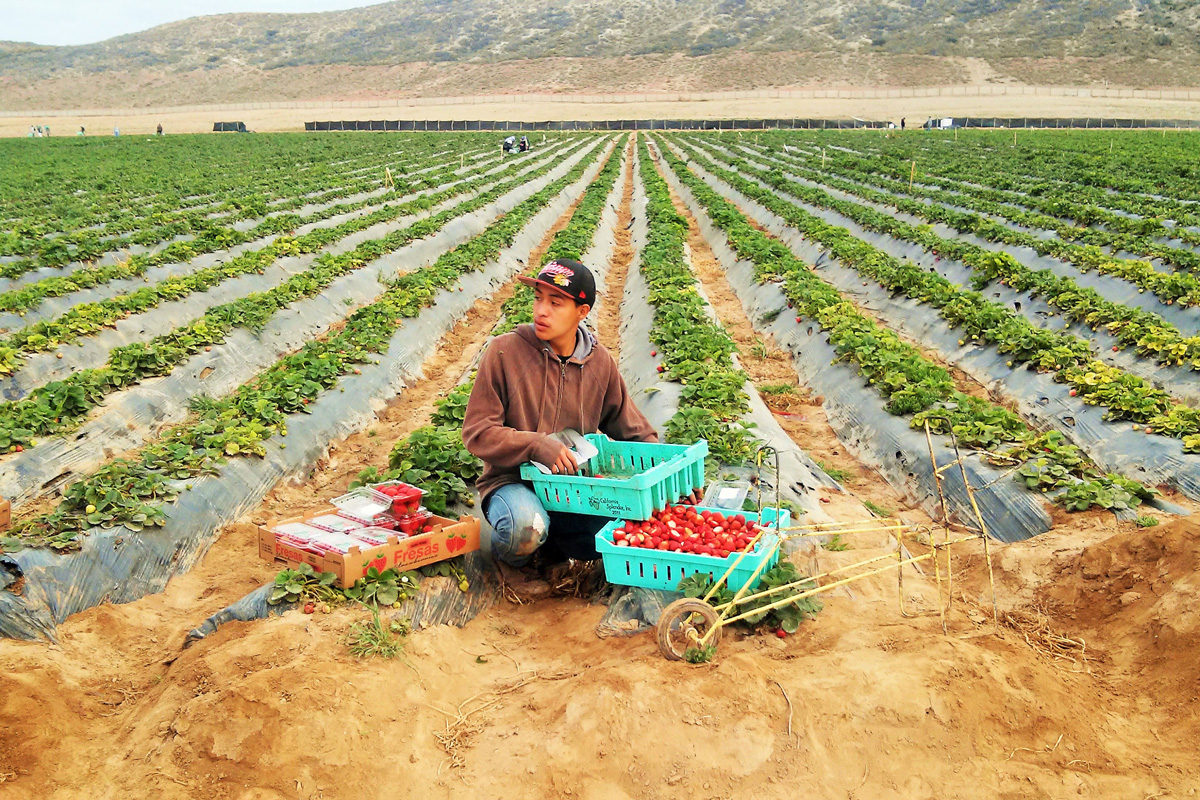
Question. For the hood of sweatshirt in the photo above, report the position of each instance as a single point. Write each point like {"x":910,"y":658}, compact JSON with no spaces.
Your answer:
{"x":585,"y":342}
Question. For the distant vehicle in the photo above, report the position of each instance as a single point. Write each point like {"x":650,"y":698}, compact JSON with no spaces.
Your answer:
{"x":235,"y":127}
{"x":944,"y":124}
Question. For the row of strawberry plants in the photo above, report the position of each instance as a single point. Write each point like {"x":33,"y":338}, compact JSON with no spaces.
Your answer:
{"x":213,"y":238}
{"x":1159,"y":169}
{"x":1169,"y":287}
{"x":997,"y":173}
{"x":694,"y":349}
{"x":434,"y":456}
{"x":174,"y":179}
{"x":200,"y":231}
{"x":85,"y":319}
{"x":60,"y":406}
{"x":131,"y":492}
{"x":1124,"y":396}
{"x":910,"y":384}
{"x":1046,"y":210}
{"x":1145,"y":331}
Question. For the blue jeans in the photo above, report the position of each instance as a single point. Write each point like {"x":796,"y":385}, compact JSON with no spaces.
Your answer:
{"x":521,"y":525}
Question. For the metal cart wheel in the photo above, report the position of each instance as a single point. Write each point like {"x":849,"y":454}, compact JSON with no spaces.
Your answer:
{"x":683,"y":624}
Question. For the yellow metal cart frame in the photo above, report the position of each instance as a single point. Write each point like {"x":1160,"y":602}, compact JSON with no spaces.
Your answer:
{"x":693,"y":624}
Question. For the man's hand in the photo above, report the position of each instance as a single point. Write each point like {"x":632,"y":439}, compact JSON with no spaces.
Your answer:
{"x":565,"y":463}
{"x":692,"y":499}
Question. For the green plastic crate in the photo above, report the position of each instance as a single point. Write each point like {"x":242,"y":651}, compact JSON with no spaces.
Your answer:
{"x":664,"y":569}
{"x":658,"y":474}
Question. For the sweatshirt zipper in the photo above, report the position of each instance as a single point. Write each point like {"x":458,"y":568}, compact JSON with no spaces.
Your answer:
{"x":562,"y":380}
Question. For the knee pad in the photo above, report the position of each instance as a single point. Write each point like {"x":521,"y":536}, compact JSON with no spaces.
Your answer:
{"x":530,"y":537}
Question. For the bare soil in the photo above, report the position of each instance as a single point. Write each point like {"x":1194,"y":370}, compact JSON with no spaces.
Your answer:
{"x":608,"y":322}
{"x":527,"y":701}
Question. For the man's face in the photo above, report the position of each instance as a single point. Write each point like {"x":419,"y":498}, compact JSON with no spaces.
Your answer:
{"x":555,"y":316}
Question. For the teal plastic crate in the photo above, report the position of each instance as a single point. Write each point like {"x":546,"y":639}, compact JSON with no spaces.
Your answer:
{"x":664,"y":569}
{"x":652,"y":477}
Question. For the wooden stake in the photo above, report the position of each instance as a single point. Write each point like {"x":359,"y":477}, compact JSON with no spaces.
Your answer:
{"x":387,"y":178}
{"x":1014,"y":138}
{"x":912,"y":174}
{"x":822,"y":158}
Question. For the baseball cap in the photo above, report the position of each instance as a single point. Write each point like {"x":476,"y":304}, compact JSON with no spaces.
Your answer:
{"x":567,"y":277}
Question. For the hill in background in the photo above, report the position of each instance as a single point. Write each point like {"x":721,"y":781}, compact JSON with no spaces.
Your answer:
{"x":431,"y":47}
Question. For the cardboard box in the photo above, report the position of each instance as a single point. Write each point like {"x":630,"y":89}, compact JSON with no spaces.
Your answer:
{"x":449,"y":538}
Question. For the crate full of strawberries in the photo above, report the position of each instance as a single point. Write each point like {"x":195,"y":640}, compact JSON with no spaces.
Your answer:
{"x":679,"y":541}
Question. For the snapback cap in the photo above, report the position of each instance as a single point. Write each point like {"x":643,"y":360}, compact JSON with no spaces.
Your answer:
{"x":567,"y":277}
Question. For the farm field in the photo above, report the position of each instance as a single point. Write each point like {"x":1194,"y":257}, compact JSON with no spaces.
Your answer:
{"x":198,"y":333}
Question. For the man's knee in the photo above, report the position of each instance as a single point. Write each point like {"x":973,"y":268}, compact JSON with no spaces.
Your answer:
{"x":529,"y":533}
{"x":518,"y":527}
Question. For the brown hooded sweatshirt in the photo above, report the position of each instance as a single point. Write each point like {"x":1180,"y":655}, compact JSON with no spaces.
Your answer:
{"x":524,"y":392}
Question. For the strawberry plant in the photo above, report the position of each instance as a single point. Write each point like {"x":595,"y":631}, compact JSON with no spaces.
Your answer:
{"x":384,"y":588}
{"x":787,"y":618}
{"x":303,"y":584}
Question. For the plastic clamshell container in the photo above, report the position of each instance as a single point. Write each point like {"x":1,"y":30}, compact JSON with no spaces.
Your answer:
{"x":337,"y":542}
{"x":298,"y":530}
{"x":377,"y":521}
{"x":658,"y":475}
{"x":298,"y":543}
{"x":336,"y":523}
{"x":664,"y":569}
{"x":363,"y":503}
{"x":376,"y":536}
{"x":726,"y":494}
{"x":412,"y":523}
{"x":407,"y":501}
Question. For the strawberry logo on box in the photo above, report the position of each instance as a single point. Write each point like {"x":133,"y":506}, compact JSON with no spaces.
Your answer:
{"x":456,"y":542}
{"x":379,"y":563}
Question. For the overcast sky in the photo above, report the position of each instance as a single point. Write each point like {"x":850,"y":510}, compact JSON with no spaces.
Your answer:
{"x":86,"y":21}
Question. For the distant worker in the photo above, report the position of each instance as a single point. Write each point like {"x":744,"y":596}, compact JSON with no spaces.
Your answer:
{"x":116,"y":131}
{"x":902,"y":123}
{"x":159,"y":131}
{"x":524,"y":144}
{"x":82,"y":132}
{"x":510,"y":144}
{"x":32,"y":131}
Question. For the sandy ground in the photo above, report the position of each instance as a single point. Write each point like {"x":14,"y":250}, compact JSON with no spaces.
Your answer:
{"x":1086,"y":688}
{"x":915,"y":109}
